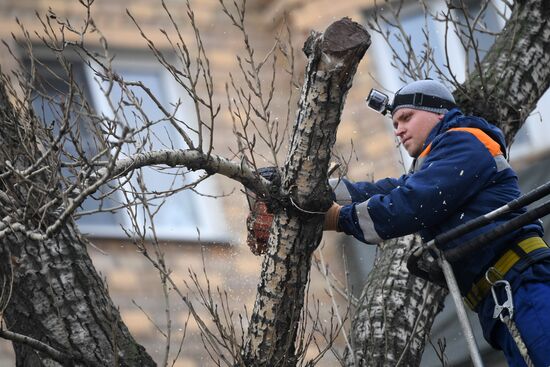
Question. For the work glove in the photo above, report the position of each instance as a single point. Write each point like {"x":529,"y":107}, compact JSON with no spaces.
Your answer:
{"x":331,"y":218}
{"x":258,"y":223}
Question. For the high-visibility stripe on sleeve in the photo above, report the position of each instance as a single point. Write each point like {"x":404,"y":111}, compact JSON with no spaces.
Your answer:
{"x":341,"y":193}
{"x":366,"y":224}
{"x":501,"y":163}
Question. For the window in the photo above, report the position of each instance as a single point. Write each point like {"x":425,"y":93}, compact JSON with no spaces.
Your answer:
{"x":413,"y":20}
{"x":533,"y":135}
{"x":182,"y":216}
{"x":488,"y":21}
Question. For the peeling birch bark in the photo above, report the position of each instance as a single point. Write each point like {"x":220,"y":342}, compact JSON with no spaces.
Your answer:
{"x":396,"y":311}
{"x":332,"y":62}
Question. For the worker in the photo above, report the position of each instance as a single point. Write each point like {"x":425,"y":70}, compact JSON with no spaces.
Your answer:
{"x":459,"y":172}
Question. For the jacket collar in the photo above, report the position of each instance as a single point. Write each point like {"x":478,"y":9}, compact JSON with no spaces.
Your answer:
{"x":442,"y":125}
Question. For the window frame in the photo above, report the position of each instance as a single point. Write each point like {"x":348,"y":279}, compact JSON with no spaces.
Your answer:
{"x":209,"y":223}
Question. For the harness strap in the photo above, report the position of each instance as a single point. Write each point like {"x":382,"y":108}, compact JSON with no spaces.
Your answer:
{"x":509,"y":259}
{"x":526,"y":259}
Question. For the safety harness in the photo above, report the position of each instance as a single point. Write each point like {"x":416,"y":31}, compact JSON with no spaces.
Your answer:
{"x":520,"y":256}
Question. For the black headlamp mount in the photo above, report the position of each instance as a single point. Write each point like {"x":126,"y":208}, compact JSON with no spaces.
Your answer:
{"x":379,"y":101}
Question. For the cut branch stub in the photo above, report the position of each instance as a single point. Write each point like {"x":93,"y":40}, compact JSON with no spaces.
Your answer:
{"x":332,"y":61}
{"x":345,"y":35}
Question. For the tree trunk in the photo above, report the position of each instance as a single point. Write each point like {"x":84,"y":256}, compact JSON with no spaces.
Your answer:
{"x":60,"y":300}
{"x":57,"y":297}
{"x":515,"y":73}
{"x":397,"y":310}
{"x":332,"y":61}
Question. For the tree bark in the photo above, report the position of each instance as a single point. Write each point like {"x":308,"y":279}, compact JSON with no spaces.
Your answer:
{"x":60,"y":300}
{"x":514,"y":75}
{"x":296,"y":232}
{"x":393,"y":322}
{"x":57,"y":297}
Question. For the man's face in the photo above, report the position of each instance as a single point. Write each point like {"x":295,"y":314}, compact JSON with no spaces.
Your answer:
{"x":413,"y":127}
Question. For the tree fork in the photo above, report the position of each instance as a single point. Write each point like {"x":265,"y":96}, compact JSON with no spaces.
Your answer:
{"x":296,"y":231}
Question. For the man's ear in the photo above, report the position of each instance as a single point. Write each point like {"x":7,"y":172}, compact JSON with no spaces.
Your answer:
{"x":440,"y":117}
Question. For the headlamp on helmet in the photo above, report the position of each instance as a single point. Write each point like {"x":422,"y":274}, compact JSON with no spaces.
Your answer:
{"x":378,"y":101}
{"x":428,"y":95}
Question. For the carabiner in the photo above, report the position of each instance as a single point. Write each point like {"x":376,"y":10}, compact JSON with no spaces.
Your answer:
{"x":494,"y":272}
{"x":508,"y":303}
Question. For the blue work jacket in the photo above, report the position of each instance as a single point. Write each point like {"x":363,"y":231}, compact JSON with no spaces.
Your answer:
{"x":461,"y":174}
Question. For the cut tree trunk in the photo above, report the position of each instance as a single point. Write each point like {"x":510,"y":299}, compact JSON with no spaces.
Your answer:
{"x":296,"y":232}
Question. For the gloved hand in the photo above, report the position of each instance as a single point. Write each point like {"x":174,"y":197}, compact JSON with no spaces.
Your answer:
{"x":258,"y":224}
{"x":331,"y":218}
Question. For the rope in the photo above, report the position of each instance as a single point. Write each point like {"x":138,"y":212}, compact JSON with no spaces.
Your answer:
{"x":512,"y":328}
{"x":303,"y":210}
